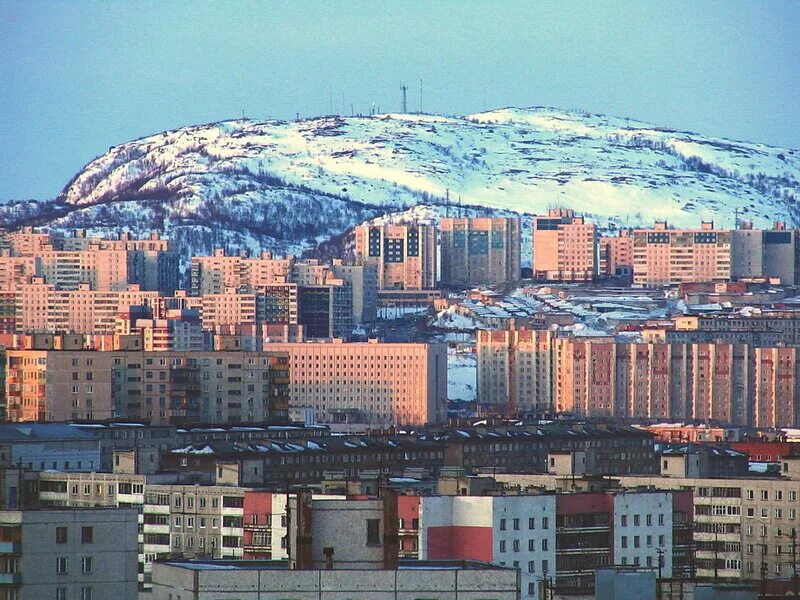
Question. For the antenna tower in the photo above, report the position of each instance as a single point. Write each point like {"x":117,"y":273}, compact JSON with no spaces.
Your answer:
{"x":404,"y":89}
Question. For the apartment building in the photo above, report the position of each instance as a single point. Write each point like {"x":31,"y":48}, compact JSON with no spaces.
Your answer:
{"x":404,"y":255}
{"x":16,"y":270}
{"x":218,"y":272}
{"x":379,"y":384}
{"x":740,"y":524}
{"x":68,"y":553}
{"x":514,"y":369}
{"x":564,"y":247}
{"x":762,"y":328}
{"x":603,"y":377}
{"x":58,"y":385}
{"x":161,"y":387}
{"x":104,"y":265}
{"x":212,"y":387}
{"x":616,"y":254}
{"x":559,"y":540}
{"x":480,"y":251}
{"x":42,"y":307}
{"x":664,"y":256}
{"x":757,"y":253}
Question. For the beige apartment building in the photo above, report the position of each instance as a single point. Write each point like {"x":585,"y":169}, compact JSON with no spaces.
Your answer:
{"x":16,"y":270}
{"x":42,"y":308}
{"x":161,"y":387}
{"x":663,"y":256}
{"x":218,"y":272}
{"x":616,"y":254}
{"x":480,"y":251}
{"x":105,"y":265}
{"x":378,"y":384}
{"x":514,"y":369}
{"x":601,"y":377}
{"x":404,"y":255}
{"x":564,"y":247}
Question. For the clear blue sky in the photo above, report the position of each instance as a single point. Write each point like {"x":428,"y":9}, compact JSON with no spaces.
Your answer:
{"x":77,"y":77}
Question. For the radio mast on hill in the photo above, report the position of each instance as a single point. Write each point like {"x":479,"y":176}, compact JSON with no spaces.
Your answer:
{"x":404,"y":89}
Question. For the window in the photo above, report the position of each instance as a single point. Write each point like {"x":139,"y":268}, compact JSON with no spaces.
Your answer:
{"x":502,"y":545}
{"x":750,"y":495}
{"x":87,"y":564}
{"x":623,"y":521}
{"x":544,"y":544}
{"x":636,"y":541}
{"x":545,"y":523}
{"x":545,"y":567}
{"x":649,"y":520}
{"x":61,"y":535}
{"x":61,"y":565}
{"x":660,"y":519}
{"x":86,"y":593}
{"x":502,"y":524}
{"x":373,"y":532}
{"x":515,"y":524}
{"x":531,"y":545}
{"x":764,"y":495}
{"x":87,"y":534}
{"x":532,"y":523}
{"x":515,"y":545}
{"x":635,"y":520}
{"x":624,"y":541}
{"x":61,"y":594}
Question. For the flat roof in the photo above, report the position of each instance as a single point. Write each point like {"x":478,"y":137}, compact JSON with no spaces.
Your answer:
{"x":278,"y":565}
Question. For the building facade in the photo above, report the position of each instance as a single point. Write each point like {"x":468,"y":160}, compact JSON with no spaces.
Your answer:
{"x":564,"y":247}
{"x":480,"y":251}
{"x":404,"y":255}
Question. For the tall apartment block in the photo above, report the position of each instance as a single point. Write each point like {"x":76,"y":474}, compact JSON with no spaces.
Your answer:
{"x":602,"y":377}
{"x":514,"y":369}
{"x":378,"y":384}
{"x":564,"y":247}
{"x":161,"y":387}
{"x":86,"y":553}
{"x":104,"y":265}
{"x":404,"y":255}
{"x":616,"y":254}
{"x":480,"y":251}
{"x":765,"y":253}
{"x":663,"y":256}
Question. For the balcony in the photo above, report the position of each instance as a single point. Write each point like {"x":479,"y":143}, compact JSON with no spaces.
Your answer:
{"x":10,"y":547}
{"x":10,"y":578}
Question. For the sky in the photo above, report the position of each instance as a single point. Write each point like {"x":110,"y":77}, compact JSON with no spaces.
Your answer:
{"x":77,"y":77}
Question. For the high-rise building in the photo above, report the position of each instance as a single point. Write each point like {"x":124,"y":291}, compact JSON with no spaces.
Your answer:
{"x":564,"y":247}
{"x":663,"y":256}
{"x":514,"y":369}
{"x":404,"y":255}
{"x":480,"y":251}
{"x":371,"y":383}
{"x":757,"y":253}
{"x":159,"y":386}
{"x":616,"y":255}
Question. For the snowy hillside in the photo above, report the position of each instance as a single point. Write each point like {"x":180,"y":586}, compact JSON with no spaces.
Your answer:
{"x":286,"y":186}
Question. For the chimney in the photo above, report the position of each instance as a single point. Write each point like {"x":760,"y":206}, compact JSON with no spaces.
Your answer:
{"x":304,"y":541}
{"x":391,"y":543}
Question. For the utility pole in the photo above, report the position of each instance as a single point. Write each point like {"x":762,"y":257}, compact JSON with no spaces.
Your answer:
{"x":404,"y":89}
{"x":660,"y":555}
{"x":795,"y":580}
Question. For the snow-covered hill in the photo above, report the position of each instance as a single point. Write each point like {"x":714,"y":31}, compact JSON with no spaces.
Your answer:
{"x":286,"y":186}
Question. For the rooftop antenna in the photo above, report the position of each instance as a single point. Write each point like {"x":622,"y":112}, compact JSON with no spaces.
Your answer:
{"x":420,"y":95}
{"x":242,"y":114}
{"x":404,"y":89}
